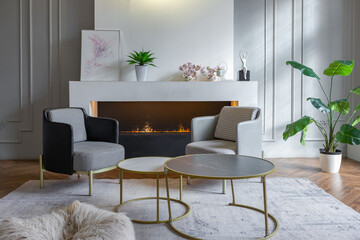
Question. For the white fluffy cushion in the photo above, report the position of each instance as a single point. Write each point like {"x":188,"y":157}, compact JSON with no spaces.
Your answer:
{"x":229,"y":117}
{"x":77,"y":221}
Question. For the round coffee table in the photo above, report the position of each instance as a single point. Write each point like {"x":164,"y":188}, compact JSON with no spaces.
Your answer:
{"x":222,"y":166}
{"x":154,"y":166}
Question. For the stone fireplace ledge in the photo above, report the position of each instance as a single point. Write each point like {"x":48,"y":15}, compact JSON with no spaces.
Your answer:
{"x":82,"y":93}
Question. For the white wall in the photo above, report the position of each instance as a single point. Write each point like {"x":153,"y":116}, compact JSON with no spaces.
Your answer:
{"x":178,"y":31}
{"x":40,"y":54}
{"x":315,"y":32}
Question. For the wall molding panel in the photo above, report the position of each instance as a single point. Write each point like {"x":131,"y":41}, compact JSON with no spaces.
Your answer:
{"x":293,"y":30}
{"x":38,"y":41}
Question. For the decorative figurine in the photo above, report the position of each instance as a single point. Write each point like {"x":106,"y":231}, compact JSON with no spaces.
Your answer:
{"x":243,"y":56}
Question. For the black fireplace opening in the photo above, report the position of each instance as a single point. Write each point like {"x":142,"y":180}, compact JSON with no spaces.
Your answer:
{"x":156,"y":128}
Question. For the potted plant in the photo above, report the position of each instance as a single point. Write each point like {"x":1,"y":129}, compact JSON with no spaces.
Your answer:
{"x":330,"y":156}
{"x":142,"y":59}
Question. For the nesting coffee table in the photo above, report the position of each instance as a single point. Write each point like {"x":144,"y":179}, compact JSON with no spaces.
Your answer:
{"x":221,"y":166}
{"x":153,"y":166}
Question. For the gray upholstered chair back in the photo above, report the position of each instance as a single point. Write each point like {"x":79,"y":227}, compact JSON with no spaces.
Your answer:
{"x":72,"y":116}
{"x":229,"y":117}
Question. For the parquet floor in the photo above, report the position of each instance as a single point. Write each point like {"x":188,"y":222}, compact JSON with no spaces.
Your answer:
{"x":344,"y":186}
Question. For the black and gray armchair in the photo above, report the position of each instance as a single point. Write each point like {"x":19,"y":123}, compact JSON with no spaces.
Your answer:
{"x":74,"y":142}
{"x":235,"y":130}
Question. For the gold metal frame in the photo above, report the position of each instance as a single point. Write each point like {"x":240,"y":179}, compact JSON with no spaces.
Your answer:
{"x":79,"y":173}
{"x":188,"y":209}
{"x":158,"y":198}
{"x":265,"y":211}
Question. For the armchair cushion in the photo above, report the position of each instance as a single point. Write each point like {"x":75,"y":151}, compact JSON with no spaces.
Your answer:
{"x":96,"y":155}
{"x":72,"y":116}
{"x":211,"y":146}
{"x":229,"y":118}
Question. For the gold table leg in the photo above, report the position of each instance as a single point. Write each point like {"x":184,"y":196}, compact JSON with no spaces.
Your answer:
{"x":224,"y":186}
{"x":168,"y":195}
{"x":180,"y":187}
{"x":232,"y":190}
{"x":121,"y":185}
{"x":263,"y":179}
{"x":157,"y":198}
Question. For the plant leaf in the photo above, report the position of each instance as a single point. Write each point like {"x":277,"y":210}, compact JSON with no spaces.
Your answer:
{"x":339,"y":67}
{"x":303,"y":135}
{"x":357,"y":108}
{"x":318,"y":104}
{"x":356,"y":121}
{"x":348,"y":134}
{"x":297,"y":126}
{"x":342,"y":106}
{"x":356,"y":90}
{"x":141,"y":58}
{"x":303,"y":69}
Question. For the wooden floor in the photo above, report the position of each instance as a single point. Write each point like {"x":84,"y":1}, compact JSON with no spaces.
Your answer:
{"x":344,"y":186}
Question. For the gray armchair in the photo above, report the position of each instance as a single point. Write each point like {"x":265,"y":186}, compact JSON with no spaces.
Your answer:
{"x":236,"y":130}
{"x":74,"y":142}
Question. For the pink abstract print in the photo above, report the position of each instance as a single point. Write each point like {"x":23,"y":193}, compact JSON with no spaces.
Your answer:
{"x":101,"y":53}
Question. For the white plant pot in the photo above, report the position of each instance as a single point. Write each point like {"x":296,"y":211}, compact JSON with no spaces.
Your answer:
{"x":141,"y":72}
{"x":330,"y":162}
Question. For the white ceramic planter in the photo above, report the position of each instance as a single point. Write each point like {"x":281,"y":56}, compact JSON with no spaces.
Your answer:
{"x":141,"y":72}
{"x":330,"y":162}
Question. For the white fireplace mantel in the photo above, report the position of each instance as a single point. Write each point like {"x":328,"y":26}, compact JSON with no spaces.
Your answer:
{"x":83,"y":93}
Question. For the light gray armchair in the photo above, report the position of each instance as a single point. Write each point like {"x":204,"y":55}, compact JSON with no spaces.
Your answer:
{"x":236,"y":130}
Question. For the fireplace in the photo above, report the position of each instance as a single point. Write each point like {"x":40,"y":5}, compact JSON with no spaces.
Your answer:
{"x":156,"y":128}
{"x":151,"y":113}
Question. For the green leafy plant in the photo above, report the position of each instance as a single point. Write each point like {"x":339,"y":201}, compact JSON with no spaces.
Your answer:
{"x":141,"y":58}
{"x":347,"y":133}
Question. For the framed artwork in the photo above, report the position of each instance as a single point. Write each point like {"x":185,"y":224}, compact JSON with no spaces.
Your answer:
{"x":100,"y":55}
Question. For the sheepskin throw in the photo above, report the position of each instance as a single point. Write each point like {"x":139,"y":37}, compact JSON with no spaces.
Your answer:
{"x":77,"y":221}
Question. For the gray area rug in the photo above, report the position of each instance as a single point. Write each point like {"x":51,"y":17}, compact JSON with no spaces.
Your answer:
{"x":304,"y":211}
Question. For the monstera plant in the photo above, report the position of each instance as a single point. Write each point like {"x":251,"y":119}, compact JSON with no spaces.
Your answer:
{"x":330,"y":156}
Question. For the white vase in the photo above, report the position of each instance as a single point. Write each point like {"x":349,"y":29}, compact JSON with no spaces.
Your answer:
{"x":141,"y":72}
{"x":330,"y":162}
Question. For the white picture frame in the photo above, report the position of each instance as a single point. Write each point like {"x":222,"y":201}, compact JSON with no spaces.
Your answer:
{"x":100,"y":55}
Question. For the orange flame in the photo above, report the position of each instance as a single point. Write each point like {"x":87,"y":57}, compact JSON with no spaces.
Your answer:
{"x":148,"y":129}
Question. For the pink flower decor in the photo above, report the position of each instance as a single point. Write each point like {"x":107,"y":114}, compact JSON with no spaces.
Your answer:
{"x":212,"y":74}
{"x":190,"y":71}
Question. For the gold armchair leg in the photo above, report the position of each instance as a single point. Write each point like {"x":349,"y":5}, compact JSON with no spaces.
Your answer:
{"x":188,"y":180}
{"x":224,"y":187}
{"x":41,"y":172}
{"x":90,"y":182}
